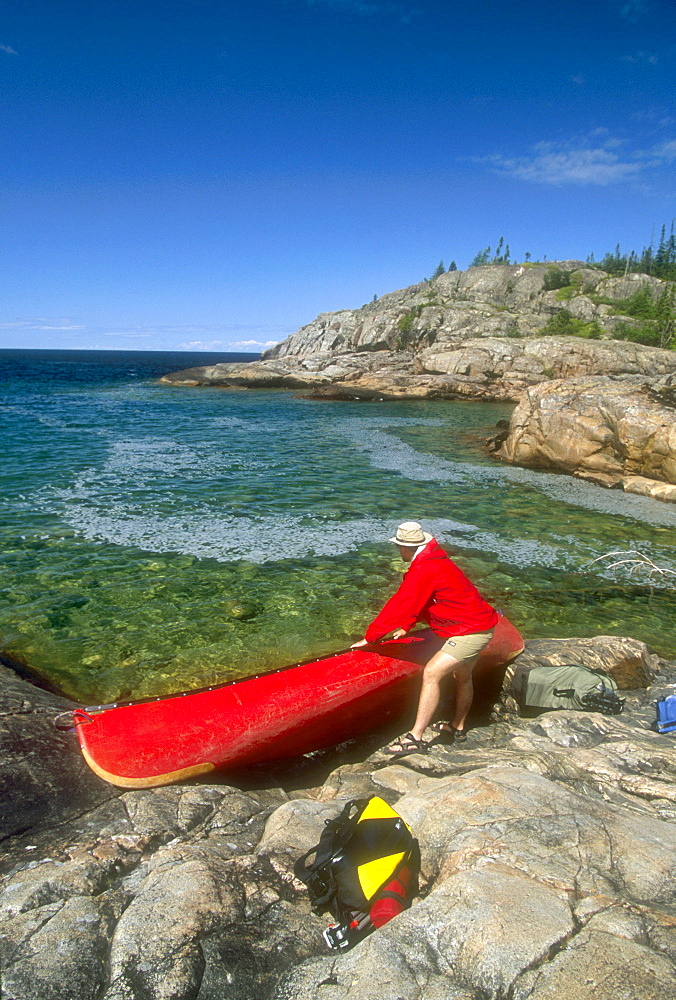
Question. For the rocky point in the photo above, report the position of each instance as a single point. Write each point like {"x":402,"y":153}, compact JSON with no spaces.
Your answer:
{"x":478,"y":334}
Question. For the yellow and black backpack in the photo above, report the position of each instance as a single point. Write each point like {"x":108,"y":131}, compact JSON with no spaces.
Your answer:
{"x":364,"y":871}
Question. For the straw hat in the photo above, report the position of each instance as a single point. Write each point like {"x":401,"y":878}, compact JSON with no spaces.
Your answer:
{"x":410,"y":533}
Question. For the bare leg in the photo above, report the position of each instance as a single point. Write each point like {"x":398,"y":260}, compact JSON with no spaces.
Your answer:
{"x":464,"y":692}
{"x":440,"y":666}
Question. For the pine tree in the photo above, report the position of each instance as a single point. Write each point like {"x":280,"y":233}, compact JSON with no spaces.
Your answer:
{"x":483,"y":257}
{"x":665,"y":317}
{"x":439,"y":270}
{"x":452,"y":266}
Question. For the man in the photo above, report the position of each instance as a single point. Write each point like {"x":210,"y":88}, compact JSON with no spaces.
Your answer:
{"x":435,"y":590}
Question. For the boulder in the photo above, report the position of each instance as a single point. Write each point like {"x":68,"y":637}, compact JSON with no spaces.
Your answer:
{"x":649,"y":488}
{"x":43,"y":777}
{"x":628,"y":661}
{"x":613,"y":426}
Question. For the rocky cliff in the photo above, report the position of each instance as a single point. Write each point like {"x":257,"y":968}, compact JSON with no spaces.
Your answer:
{"x":493,"y":301}
{"x":486,"y":368}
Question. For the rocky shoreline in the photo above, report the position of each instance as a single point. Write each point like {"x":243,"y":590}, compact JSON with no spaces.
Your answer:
{"x":478,"y":335}
{"x":547,"y":845}
{"x":491,"y":369}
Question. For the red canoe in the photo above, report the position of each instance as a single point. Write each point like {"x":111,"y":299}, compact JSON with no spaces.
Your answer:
{"x":259,"y":719}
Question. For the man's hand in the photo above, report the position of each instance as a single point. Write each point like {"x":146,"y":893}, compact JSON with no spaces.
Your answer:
{"x":397,"y":634}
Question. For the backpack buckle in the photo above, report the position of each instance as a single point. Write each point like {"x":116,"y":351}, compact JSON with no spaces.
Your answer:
{"x":340,"y":937}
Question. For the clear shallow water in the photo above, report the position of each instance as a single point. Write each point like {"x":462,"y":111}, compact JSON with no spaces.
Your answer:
{"x":158,"y":538}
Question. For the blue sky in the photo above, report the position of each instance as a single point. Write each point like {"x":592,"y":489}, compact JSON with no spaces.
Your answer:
{"x":189,"y":174}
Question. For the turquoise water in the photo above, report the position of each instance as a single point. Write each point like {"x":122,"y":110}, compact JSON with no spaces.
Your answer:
{"x":158,"y":538}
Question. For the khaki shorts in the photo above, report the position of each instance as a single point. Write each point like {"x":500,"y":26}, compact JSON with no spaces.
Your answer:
{"x":467,"y":647}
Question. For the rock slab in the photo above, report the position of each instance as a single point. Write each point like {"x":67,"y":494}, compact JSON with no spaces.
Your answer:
{"x":614,"y":427}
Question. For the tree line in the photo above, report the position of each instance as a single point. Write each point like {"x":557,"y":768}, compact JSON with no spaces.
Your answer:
{"x":658,"y":261}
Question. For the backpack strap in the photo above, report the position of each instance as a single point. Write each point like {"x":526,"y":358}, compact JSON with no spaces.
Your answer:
{"x":390,"y":894}
{"x":335,"y":835}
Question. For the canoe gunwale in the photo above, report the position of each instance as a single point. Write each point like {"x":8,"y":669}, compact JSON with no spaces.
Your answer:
{"x":372,"y":647}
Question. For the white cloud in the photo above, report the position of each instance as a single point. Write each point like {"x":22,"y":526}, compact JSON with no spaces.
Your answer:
{"x":255,"y":343}
{"x":9,"y":50}
{"x":226,"y":345}
{"x":40,"y":324}
{"x":69,"y":326}
{"x":63,"y":332}
{"x":598,"y":159}
{"x":201,"y":345}
{"x":666,"y":151}
{"x":546,"y":165}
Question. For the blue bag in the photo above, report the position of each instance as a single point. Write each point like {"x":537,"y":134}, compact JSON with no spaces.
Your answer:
{"x":666,"y":714}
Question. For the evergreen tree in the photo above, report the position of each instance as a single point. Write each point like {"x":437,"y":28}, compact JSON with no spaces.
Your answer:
{"x":660,"y":262}
{"x":665,"y":317}
{"x":439,"y":270}
{"x":483,"y":257}
{"x":501,"y":256}
{"x":452,"y":266}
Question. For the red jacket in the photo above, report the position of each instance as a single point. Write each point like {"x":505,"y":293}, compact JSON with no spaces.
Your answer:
{"x":434,"y":590}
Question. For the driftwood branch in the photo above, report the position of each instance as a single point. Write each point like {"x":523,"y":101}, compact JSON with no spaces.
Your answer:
{"x":637,"y":561}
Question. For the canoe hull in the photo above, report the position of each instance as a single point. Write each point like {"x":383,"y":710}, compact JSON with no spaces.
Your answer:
{"x":274,"y":716}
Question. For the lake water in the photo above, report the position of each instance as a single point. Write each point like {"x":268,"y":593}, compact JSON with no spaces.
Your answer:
{"x":157,"y":538}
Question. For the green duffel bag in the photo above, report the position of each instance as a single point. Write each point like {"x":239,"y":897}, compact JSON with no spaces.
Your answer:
{"x":566,"y":686}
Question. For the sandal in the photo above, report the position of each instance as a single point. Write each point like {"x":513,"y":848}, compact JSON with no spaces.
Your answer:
{"x":448,"y":729}
{"x":406,"y":744}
